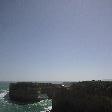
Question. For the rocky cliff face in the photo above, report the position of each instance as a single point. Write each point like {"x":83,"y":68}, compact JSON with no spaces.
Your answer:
{"x":28,"y":91}
{"x":23,"y":92}
{"x":89,"y":96}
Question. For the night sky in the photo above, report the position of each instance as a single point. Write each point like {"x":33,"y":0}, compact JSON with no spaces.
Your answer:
{"x":54,"y":40}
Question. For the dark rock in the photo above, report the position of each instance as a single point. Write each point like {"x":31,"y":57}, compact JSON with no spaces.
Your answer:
{"x":86,"y":96}
{"x":23,"y":92}
{"x":30,"y":92}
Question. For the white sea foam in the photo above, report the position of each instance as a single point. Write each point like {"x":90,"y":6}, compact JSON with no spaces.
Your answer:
{"x":48,"y":108}
{"x":2,"y":94}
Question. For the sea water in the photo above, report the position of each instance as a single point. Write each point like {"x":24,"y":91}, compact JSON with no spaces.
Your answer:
{"x":7,"y":106}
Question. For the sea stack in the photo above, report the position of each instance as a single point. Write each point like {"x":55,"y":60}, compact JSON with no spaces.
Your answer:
{"x":24,"y":92}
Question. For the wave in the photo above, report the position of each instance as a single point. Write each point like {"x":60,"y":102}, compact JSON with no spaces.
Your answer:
{"x":45,"y":105}
{"x":48,"y":108}
{"x":3,"y":94}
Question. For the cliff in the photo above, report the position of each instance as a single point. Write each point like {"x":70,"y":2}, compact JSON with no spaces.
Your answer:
{"x":87,"y":96}
{"x":30,"y":92}
{"x":23,"y":92}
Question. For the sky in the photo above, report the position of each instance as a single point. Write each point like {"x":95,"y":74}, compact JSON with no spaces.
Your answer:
{"x":55,"y":40}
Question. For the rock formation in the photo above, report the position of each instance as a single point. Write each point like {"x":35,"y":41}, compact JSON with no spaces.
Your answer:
{"x":24,"y":92}
{"x":87,"y":96}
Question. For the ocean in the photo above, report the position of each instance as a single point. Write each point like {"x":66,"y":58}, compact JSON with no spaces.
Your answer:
{"x":7,"y":106}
